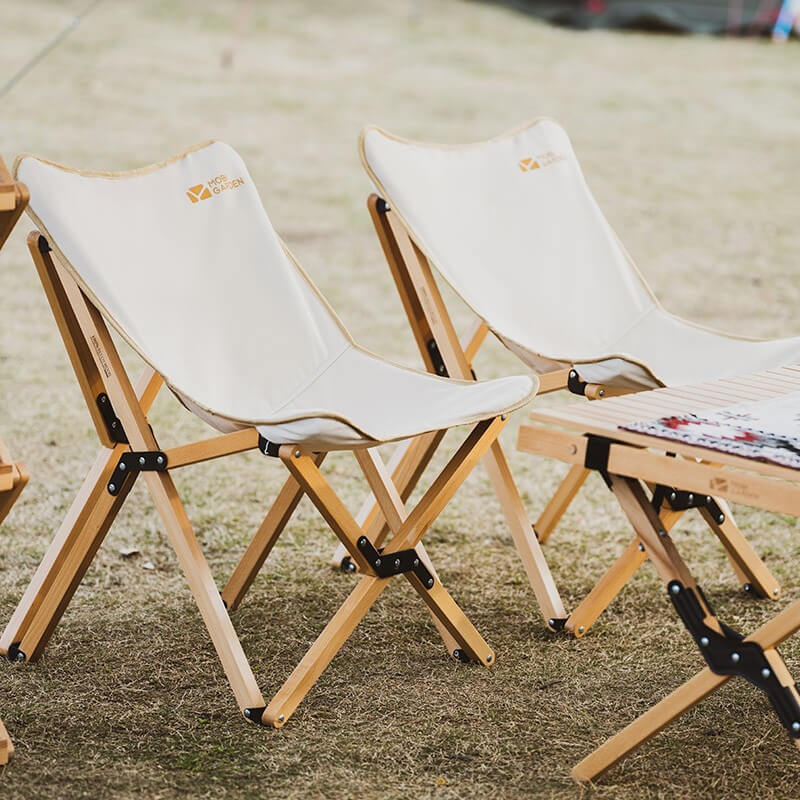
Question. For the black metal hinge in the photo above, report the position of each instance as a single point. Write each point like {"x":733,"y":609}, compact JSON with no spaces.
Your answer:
{"x":114,"y":427}
{"x":727,"y":653}
{"x":680,"y":500}
{"x":390,"y":564}
{"x":436,"y":358}
{"x":575,"y":384}
{"x":131,"y":463}
{"x":596,"y":456}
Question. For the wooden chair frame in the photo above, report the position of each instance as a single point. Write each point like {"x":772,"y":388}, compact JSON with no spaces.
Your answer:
{"x":629,"y":468}
{"x":119,"y":410}
{"x":444,"y":353}
{"x":13,"y":476}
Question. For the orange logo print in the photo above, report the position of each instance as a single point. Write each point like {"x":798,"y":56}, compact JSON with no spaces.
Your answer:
{"x":198,"y":193}
{"x":528,"y":164}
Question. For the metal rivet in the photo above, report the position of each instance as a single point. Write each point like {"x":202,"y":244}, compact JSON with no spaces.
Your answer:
{"x":20,"y":657}
{"x":247,"y":713}
{"x":351,"y":567}
{"x":581,"y":629}
{"x":765,"y":673}
{"x":111,"y":487}
{"x":721,"y":519}
{"x":736,"y":658}
{"x":430,"y":583}
{"x":672,"y":497}
{"x":708,"y":498}
{"x":141,"y":461}
{"x":691,"y":497}
{"x":775,"y":591}
{"x":377,"y":562}
{"x":297,"y":454}
{"x":747,"y":587}
{"x":160,"y":460}
{"x":416,"y":562}
{"x":457,"y":654}
{"x":602,"y":393}
{"x":704,"y":641}
{"x":122,"y":466}
{"x":551,"y":623}
{"x":362,"y":541}
{"x":281,"y":718}
{"x":641,"y":547}
{"x":397,"y":563}
{"x":675,"y":589}
{"x":103,"y":399}
{"x":504,"y":417}
{"x":489,"y":659}
{"x":796,"y":726}
{"x":662,"y":534}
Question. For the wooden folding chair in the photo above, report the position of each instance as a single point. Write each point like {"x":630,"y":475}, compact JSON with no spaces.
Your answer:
{"x":13,"y":477}
{"x":181,"y":259}
{"x":631,"y":462}
{"x":513,"y":229}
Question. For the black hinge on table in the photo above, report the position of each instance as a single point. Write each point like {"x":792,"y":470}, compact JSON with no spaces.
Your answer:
{"x":132,"y":463}
{"x":436,"y":358}
{"x":575,"y":384}
{"x":395,"y":563}
{"x":727,"y":653}
{"x":596,"y":456}
{"x":680,"y":500}
{"x":114,"y":427}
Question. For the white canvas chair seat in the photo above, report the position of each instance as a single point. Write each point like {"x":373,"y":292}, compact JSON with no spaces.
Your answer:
{"x":511,"y":225}
{"x":219,"y":308}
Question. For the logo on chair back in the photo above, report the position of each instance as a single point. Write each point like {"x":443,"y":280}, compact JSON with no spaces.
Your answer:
{"x":542,"y":160}
{"x":214,"y":186}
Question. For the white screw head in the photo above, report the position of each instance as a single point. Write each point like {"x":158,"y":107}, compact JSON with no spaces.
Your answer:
{"x":704,"y":641}
{"x":775,"y":591}
{"x":160,"y":460}
{"x":675,"y":589}
{"x":736,"y":658}
{"x":111,"y":487}
{"x":582,"y":629}
{"x":765,"y":673}
{"x":122,"y":466}
{"x":796,"y":726}
{"x":141,"y":461}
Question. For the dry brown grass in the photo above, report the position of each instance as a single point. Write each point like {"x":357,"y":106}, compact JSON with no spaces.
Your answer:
{"x":690,"y":145}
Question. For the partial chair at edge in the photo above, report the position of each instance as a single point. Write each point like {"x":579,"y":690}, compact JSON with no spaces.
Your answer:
{"x":512,"y":227}
{"x":13,"y":477}
{"x":200,"y":286}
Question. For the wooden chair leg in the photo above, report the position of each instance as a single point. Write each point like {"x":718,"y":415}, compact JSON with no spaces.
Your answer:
{"x":264,"y":540}
{"x":7,"y":499}
{"x":560,"y":502}
{"x":6,"y":745}
{"x":65,"y":562}
{"x":409,"y":461}
{"x":528,"y":547}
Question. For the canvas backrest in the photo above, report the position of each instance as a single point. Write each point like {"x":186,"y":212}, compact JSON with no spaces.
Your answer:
{"x":182,"y":259}
{"x":512,"y":226}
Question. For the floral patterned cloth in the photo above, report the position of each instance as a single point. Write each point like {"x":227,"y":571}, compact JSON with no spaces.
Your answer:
{"x":766,"y":430}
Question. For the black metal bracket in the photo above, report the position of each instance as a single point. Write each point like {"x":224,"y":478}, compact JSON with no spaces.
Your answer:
{"x":727,"y":653}
{"x":267,"y":447}
{"x":680,"y":500}
{"x":381,"y":206}
{"x":575,"y":384}
{"x":386,"y":566}
{"x":113,"y":425}
{"x":254,"y":714}
{"x":596,"y":456}
{"x":133,"y":462}
{"x":43,"y":245}
{"x":436,"y":358}
{"x":557,"y":623}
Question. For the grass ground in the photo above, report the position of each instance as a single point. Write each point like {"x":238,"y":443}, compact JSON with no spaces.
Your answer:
{"x":690,"y":145}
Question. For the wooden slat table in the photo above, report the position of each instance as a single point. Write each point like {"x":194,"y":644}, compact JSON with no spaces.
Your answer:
{"x":630,"y":462}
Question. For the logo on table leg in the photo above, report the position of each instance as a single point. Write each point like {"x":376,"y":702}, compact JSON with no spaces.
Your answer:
{"x":212,"y":187}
